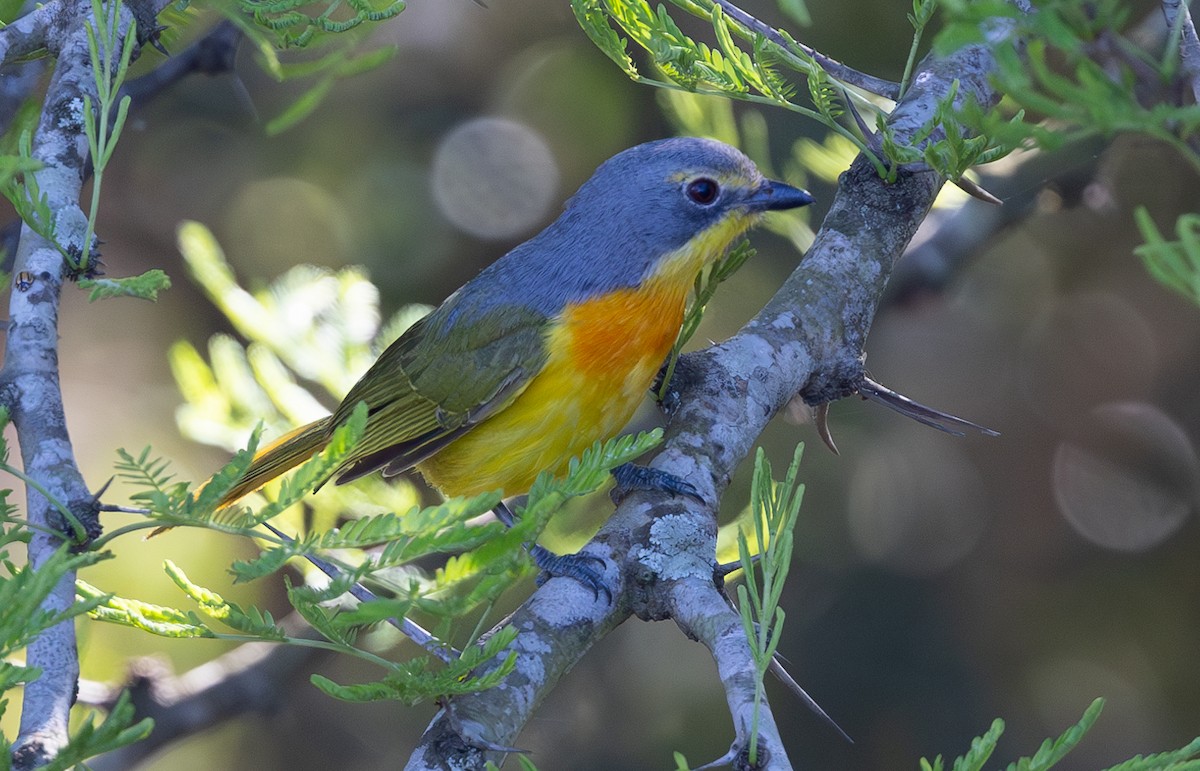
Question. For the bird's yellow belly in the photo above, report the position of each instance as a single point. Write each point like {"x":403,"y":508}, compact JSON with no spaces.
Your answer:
{"x":603,"y":356}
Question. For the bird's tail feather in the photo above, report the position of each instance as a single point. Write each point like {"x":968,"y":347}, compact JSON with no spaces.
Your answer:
{"x":281,"y":455}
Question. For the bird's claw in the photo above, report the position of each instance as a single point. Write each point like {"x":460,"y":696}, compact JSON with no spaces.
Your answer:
{"x":631,"y":477}
{"x":587,"y":569}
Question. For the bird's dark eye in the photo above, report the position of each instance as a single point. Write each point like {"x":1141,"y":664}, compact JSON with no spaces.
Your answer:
{"x":703,"y":190}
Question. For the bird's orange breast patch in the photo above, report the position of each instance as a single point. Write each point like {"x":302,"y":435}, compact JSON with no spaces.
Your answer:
{"x":609,"y":335}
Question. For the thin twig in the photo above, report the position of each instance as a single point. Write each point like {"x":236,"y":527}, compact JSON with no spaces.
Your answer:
{"x":213,"y":54}
{"x":836,"y":69}
{"x":408,"y":628}
{"x":248,"y":679}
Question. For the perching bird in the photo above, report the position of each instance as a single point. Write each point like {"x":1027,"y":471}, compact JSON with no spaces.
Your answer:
{"x":555,"y":344}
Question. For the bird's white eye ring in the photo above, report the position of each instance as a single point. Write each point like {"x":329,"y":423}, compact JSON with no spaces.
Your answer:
{"x":703,"y":190}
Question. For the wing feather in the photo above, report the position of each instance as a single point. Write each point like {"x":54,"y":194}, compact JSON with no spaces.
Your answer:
{"x":439,"y":380}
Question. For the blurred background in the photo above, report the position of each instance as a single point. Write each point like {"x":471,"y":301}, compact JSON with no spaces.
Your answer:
{"x":938,"y":582}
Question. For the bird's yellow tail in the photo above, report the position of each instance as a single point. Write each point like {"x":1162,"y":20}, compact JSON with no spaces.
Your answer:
{"x":285,"y":453}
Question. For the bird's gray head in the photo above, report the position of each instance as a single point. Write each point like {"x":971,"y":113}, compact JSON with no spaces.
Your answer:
{"x":661,"y":194}
{"x":640,"y":205}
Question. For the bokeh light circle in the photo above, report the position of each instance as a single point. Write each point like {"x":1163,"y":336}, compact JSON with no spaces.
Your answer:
{"x":916,"y":504}
{"x":1128,"y":481}
{"x":494,"y":178}
{"x":1089,"y":348}
{"x":282,"y":221}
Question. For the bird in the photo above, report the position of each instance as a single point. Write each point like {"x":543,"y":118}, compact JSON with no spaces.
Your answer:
{"x":555,"y":344}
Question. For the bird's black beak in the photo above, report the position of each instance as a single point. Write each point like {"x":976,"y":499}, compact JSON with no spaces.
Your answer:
{"x":776,"y":196}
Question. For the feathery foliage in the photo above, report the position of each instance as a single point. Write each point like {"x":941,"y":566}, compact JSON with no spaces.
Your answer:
{"x":774,"y":510}
{"x":24,"y":614}
{"x":703,"y":291}
{"x":1074,"y":93}
{"x":1054,"y":750}
{"x":728,"y":69}
{"x":337,"y":29}
{"x":19,"y":184}
{"x":1174,"y":264}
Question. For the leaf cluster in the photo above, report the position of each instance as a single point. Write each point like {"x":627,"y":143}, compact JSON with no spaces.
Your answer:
{"x":774,"y":510}
{"x":703,"y":290}
{"x":299,"y":23}
{"x":1175,"y":264}
{"x":25,"y":614}
{"x":492,"y":560}
{"x":19,"y":185}
{"x":1079,"y":76}
{"x":110,"y":54}
{"x":331,"y":33}
{"x":743,"y":64}
{"x":749,"y":72}
{"x":1054,"y":750}
{"x":946,"y":142}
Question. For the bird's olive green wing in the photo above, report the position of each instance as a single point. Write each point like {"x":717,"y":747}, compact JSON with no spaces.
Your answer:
{"x":438,"y":381}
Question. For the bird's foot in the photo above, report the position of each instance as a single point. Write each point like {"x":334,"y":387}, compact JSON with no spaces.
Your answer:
{"x":631,"y":477}
{"x":584,"y":568}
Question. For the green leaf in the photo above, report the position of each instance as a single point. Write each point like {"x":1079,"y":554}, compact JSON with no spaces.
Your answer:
{"x":270,"y":560}
{"x":9,"y":10}
{"x":797,"y":11}
{"x":1182,"y":759}
{"x":706,"y":285}
{"x":24,"y":589}
{"x":981,"y":749}
{"x":250,"y":621}
{"x":116,"y":730}
{"x":774,"y":511}
{"x":1055,"y":750}
{"x":414,"y":682}
{"x":302,"y":107}
{"x":319,"y":619}
{"x":157,"y":619}
{"x":1174,"y":264}
{"x":145,"y":286}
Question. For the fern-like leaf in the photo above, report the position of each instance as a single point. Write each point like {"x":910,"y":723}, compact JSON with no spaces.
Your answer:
{"x":414,"y":682}
{"x":251,"y":621}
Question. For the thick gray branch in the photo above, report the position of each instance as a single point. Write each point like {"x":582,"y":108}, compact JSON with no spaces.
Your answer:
{"x":809,"y":340}
{"x":38,"y":30}
{"x":1177,"y":14}
{"x":34,"y":398}
{"x":555,"y":628}
{"x":29,"y":383}
{"x":703,"y":614}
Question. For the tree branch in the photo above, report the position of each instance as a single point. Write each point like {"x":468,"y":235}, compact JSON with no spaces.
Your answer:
{"x":885,"y":88}
{"x":808,"y":340}
{"x":555,"y":628}
{"x":29,"y":382}
{"x":703,"y":614}
{"x":1177,"y":13}
{"x":37,"y":30}
{"x":212,"y":54}
{"x":247,"y":679}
